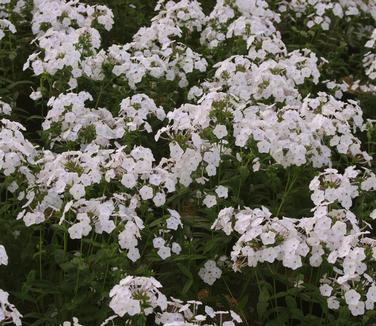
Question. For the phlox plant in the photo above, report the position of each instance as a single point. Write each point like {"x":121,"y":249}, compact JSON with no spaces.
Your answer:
{"x":187,"y":162}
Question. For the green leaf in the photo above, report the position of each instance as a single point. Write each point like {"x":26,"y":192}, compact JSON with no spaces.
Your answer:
{"x":185,"y":270}
{"x":187,"y":286}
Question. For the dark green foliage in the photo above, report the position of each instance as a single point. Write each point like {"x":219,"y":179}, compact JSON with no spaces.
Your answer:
{"x":52,"y":278}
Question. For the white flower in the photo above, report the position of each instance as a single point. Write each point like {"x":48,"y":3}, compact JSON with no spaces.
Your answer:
{"x":123,"y":296}
{"x":256,"y":164}
{"x":36,"y":95}
{"x":333,"y":303}
{"x":8,"y":312}
{"x":12,"y":187}
{"x":209,"y":273}
{"x":326,"y":290}
{"x":121,"y":307}
{"x":158,"y":242}
{"x":268,"y":238}
{"x":78,"y":230}
{"x":159,"y":199}
{"x":33,"y":218}
{"x":210,"y":201}
{"x":224,"y":220}
{"x":3,"y":256}
{"x":133,"y":254}
{"x":221,"y":191}
{"x":371,"y":293}
{"x":174,"y":221}
{"x":352,"y":297}
{"x":5,"y":108}
{"x":164,"y":252}
{"x":220,"y":131}
{"x":357,"y":309}
{"x":146,"y":192}
{"x":128,"y":180}
{"x":77,"y":191}
{"x":176,"y":248}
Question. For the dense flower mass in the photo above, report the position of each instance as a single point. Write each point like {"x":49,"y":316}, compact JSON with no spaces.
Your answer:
{"x":135,"y":294}
{"x":219,"y":151}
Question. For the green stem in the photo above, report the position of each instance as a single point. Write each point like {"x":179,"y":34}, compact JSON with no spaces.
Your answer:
{"x":274,"y":290}
{"x":232,"y":296}
{"x":78,"y":271}
{"x":40,"y":253}
{"x":290,"y":183}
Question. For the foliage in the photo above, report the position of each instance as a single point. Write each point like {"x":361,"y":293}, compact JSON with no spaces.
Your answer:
{"x":187,"y":162}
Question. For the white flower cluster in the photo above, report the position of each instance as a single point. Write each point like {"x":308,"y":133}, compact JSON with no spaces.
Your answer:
{"x":164,"y":242}
{"x":8,"y":312}
{"x":67,"y":40}
{"x":64,"y":15}
{"x":5,"y":25}
{"x":293,"y":134}
{"x":69,"y":120}
{"x":154,"y":50}
{"x":136,"y":295}
{"x":15,"y":151}
{"x":272,"y":78}
{"x":330,"y":187}
{"x":251,"y":21}
{"x":252,"y":104}
{"x":369,"y":60}
{"x":323,"y":12}
{"x":75,"y":173}
{"x":7,"y":9}
{"x":137,"y":109}
{"x":332,"y":236}
{"x":243,"y":79}
{"x":306,"y":132}
{"x":210,"y":272}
